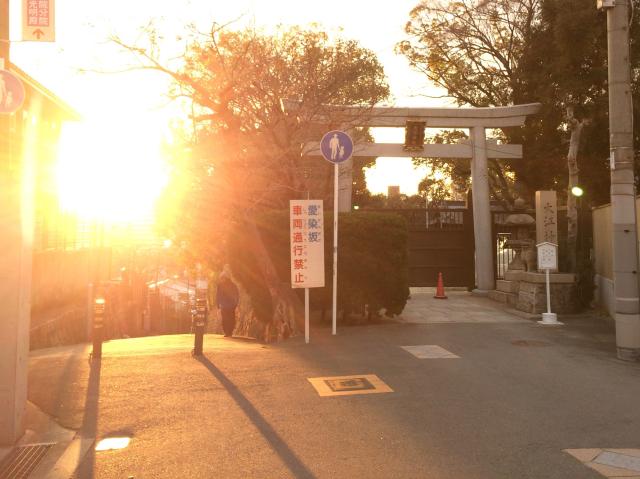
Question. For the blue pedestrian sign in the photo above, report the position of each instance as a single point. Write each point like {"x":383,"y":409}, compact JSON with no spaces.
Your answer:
{"x":11,"y":92}
{"x":336,"y":146}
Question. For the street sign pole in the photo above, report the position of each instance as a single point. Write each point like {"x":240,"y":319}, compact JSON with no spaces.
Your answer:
{"x":306,"y":315}
{"x":336,"y":190}
{"x":336,"y":146}
{"x":306,"y":219}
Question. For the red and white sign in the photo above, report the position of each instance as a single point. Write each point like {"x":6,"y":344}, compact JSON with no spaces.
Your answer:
{"x":307,"y":243}
{"x":11,"y":92}
{"x":38,"y":21}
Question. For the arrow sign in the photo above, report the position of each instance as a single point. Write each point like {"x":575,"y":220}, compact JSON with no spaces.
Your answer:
{"x":11,"y":92}
{"x":38,"y":21}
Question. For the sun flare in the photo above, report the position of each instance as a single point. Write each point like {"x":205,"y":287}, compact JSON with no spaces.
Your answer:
{"x":112,"y":171}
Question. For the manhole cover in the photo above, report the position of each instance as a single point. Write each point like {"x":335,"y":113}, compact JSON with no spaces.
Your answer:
{"x":23,"y":460}
{"x":350,"y":384}
{"x":529,"y":342}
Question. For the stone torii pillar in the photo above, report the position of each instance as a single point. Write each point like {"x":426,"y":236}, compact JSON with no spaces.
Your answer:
{"x":478,"y":150}
{"x":482,"y":224}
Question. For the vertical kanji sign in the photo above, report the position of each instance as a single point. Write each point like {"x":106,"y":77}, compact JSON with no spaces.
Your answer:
{"x":38,"y":21}
{"x":307,"y":243}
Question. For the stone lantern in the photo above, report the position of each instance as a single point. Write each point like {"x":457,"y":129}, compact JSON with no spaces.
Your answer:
{"x":521,"y":242}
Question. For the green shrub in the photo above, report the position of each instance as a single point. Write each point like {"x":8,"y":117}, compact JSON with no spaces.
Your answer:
{"x":372,"y":262}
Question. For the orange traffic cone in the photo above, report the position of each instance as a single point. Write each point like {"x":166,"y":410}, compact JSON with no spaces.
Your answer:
{"x":440,"y":288}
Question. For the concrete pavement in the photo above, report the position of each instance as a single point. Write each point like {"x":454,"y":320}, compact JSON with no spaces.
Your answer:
{"x":507,"y":401}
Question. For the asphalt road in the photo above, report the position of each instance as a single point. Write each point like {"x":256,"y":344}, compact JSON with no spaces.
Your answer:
{"x":504,"y":409}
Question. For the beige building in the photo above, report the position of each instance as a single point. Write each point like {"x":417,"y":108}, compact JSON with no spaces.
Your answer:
{"x":603,"y":255}
{"x":28,"y":148}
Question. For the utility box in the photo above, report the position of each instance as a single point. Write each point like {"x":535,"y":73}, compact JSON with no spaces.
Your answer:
{"x":605,"y":4}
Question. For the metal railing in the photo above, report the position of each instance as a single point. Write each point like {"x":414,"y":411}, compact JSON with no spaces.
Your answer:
{"x":504,"y":255}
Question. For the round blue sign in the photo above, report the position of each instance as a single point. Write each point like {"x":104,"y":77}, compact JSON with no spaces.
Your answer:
{"x":336,"y":146}
{"x":11,"y":92}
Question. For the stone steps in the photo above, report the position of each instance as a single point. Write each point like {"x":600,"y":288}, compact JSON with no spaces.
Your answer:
{"x":507,"y":286}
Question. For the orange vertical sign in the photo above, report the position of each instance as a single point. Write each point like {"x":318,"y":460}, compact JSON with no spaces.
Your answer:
{"x":38,"y":21}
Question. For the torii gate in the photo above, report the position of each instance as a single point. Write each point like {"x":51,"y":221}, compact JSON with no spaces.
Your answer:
{"x":478,"y":150}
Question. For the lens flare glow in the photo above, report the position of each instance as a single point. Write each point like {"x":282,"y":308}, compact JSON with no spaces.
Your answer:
{"x":112,"y":171}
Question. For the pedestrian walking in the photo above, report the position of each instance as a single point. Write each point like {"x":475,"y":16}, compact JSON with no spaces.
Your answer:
{"x":227,"y":297}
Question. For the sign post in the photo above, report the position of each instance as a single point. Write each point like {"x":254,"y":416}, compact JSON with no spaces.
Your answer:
{"x":548,"y":260}
{"x":306,"y":222}
{"x":336,"y":146}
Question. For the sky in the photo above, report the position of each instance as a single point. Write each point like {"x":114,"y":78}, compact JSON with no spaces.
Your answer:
{"x":83,"y":26}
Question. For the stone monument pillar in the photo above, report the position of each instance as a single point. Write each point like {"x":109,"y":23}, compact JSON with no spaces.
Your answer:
{"x":546,"y":217}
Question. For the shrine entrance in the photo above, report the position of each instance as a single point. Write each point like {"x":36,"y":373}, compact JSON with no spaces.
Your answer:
{"x":440,"y":241}
{"x":428,"y":249}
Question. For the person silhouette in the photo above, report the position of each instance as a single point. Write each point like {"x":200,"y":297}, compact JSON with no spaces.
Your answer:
{"x":334,"y":144}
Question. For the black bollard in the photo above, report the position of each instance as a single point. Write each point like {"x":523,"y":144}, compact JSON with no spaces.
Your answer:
{"x":200,"y":319}
{"x":98,"y":327}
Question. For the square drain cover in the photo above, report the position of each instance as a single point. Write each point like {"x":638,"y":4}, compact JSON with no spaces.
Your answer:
{"x":349,"y":385}
{"x":23,"y":460}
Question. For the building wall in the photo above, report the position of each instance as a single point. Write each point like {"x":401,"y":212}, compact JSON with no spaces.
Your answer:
{"x":603,"y":255}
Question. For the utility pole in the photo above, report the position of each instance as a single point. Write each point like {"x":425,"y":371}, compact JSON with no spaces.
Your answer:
{"x":623,"y":199}
{"x":4,"y":31}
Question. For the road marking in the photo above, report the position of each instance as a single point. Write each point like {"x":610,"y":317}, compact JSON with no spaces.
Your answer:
{"x":429,"y":351}
{"x":349,"y":385}
{"x":614,"y":459}
{"x":610,"y":462}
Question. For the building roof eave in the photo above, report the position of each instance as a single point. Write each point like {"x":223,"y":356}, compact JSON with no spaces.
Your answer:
{"x":68,"y":113}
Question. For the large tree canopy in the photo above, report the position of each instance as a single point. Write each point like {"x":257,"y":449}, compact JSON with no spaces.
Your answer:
{"x":471,"y":48}
{"x":245,"y":151}
{"x":503,"y":52}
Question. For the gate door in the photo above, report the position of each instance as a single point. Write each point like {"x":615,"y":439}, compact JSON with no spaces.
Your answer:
{"x":440,"y":241}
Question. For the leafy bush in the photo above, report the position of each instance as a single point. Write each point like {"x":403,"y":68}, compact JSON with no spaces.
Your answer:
{"x":372,"y":262}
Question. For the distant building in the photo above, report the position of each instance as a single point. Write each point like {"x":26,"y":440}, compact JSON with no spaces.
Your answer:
{"x":393,"y":190}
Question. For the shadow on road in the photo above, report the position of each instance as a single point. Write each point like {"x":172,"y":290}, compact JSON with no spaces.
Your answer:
{"x":89,"y":428}
{"x":295,"y":465}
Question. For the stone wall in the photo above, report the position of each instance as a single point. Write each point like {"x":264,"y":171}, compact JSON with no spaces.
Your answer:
{"x":531,"y":292}
{"x":60,"y":278}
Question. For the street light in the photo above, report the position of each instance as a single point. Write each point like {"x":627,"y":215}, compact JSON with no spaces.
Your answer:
{"x":577,"y":191}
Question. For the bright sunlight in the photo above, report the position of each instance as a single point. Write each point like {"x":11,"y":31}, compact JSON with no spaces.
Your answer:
{"x":111,"y":171}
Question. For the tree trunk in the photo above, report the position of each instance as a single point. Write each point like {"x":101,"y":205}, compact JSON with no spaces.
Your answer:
{"x":288,"y":313}
{"x":572,"y":210}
